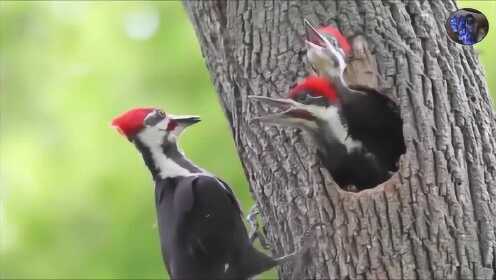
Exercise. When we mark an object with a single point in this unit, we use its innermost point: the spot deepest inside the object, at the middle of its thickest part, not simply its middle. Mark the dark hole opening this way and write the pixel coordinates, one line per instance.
(375, 122)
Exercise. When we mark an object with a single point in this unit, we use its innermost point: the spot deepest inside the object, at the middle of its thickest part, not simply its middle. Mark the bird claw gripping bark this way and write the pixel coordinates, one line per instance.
(254, 231)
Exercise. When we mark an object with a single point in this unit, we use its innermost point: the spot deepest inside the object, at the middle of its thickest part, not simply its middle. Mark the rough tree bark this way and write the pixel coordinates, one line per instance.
(435, 219)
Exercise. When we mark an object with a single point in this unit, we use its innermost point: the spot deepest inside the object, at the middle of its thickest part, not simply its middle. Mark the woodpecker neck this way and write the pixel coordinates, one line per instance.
(341, 85)
(165, 160)
(336, 76)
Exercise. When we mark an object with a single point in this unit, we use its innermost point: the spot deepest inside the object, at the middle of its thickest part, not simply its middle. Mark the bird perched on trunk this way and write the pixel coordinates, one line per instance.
(202, 234)
(358, 131)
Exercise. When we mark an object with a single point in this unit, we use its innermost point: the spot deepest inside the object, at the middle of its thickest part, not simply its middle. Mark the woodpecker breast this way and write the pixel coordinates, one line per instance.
(338, 129)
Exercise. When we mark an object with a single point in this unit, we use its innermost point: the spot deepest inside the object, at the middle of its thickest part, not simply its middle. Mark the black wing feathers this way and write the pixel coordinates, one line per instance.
(202, 233)
(183, 196)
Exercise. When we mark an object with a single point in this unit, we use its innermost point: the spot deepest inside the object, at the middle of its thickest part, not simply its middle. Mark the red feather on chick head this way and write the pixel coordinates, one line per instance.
(342, 40)
(317, 86)
(330, 31)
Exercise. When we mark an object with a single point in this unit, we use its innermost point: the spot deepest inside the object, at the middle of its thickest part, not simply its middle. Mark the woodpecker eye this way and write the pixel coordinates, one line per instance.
(154, 118)
(317, 100)
(301, 97)
(333, 41)
(308, 98)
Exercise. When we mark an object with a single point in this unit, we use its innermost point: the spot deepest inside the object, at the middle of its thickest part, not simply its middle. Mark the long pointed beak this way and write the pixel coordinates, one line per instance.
(283, 103)
(322, 40)
(313, 35)
(289, 109)
(186, 121)
(325, 57)
(316, 44)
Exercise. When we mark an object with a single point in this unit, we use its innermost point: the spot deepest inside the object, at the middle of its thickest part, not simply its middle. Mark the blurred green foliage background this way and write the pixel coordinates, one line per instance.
(76, 200)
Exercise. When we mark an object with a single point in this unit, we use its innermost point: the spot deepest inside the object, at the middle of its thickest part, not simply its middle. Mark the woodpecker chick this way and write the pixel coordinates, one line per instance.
(331, 34)
(326, 56)
(315, 106)
(360, 68)
(202, 234)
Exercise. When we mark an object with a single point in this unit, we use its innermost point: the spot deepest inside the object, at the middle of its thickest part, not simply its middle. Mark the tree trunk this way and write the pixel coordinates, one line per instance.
(435, 218)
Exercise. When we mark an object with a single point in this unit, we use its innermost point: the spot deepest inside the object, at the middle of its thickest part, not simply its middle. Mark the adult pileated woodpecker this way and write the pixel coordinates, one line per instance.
(202, 234)
(358, 131)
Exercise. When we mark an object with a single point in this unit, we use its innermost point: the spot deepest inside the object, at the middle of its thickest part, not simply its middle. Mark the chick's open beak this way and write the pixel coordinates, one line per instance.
(316, 44)
(289, 109)
(313, 36)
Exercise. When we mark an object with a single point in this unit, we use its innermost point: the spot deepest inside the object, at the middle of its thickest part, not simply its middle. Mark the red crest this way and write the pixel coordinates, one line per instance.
(318, 86)
(131, 122)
